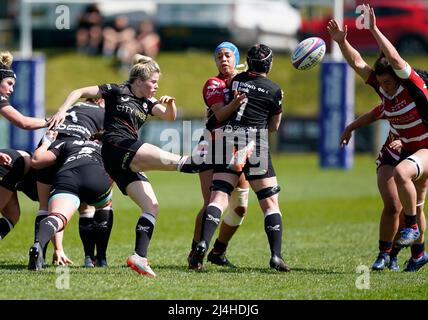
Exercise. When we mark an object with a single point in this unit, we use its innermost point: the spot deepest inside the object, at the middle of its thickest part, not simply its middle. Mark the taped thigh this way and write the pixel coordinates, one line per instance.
(418, 164)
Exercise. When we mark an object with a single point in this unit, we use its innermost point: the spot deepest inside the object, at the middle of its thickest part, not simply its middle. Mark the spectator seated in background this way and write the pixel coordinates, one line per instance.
(89, 34)
(117, 35)
(147, 42)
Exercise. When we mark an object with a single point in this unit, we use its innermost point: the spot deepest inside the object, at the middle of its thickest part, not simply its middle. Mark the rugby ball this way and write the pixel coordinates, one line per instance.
(308, 53)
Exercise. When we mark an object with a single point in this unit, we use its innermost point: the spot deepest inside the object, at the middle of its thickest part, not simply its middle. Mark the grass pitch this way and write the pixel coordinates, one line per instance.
(330, 229)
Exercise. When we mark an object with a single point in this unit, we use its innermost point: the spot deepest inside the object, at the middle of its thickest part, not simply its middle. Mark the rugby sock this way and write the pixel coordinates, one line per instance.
(417, 250)
(5, 226)
(219, 247)
(144, 231)
(385, 246)
(210, 221)
(41, 214)
(194, 244)
(410, 221)
(47, 229)
(273, 229)
(86, 233)
(187, 165)
(394, 251)
(103, 223)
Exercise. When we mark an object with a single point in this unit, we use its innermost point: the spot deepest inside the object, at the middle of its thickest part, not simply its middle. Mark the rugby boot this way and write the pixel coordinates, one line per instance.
(408, 237)
(393, 264)
(88, 262)
(141, 265)
(277, 263)
(197, 259)
(381, 261)
(35, 257)
(414, 265)
(219, 259)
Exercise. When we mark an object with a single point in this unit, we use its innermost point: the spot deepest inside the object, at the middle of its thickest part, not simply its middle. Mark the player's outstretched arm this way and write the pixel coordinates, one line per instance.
(361, 121)
(86, 92)
(352, 56)
(42, 157)
(391, 54)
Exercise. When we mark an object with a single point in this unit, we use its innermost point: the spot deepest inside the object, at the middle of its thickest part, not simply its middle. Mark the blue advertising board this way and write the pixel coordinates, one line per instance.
(337, 110)
(29, 99)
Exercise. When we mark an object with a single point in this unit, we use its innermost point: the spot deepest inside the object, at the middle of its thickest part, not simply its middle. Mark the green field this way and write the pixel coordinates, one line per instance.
(330, 228)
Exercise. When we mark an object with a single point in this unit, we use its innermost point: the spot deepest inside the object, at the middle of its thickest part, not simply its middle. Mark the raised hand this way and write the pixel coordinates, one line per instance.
(56, 120)
(336, 33)
(372, 16)
(167, 100)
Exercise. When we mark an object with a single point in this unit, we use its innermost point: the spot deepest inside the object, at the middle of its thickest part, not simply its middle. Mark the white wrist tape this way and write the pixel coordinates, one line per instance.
(47, 140)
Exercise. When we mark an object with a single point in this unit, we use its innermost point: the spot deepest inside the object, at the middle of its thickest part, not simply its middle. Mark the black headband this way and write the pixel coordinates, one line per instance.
(7, 73)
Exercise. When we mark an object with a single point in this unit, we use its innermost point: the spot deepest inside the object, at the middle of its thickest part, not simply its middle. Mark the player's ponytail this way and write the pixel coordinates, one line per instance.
(6, 60)
(143, 68)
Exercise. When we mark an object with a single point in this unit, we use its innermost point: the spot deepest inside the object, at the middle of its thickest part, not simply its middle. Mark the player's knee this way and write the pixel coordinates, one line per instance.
(400, 175)
(233, 219)
(411, 169)
(153, 208)
(240, 211)
(392, 208)
(14, 216)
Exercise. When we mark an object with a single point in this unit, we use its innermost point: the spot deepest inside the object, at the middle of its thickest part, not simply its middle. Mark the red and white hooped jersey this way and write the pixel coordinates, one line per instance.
(215, 91)
(401, 110)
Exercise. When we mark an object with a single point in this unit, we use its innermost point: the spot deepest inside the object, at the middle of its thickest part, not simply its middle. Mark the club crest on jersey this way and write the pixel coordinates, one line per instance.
(213, 85)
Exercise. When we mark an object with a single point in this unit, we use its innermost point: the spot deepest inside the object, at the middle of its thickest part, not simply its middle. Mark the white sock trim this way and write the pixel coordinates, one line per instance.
(42, 212)
(217, 205)
(268, 213)
(149, 217)
(87, 214)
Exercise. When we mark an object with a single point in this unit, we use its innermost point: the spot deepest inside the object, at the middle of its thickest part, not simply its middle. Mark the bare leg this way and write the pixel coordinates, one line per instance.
(389, 220)
(10, 211)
